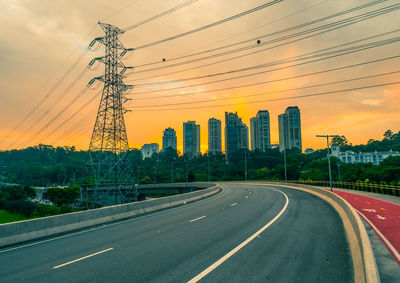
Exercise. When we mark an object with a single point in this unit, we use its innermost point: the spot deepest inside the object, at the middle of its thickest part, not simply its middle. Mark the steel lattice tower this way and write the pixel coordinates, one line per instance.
(109, 143)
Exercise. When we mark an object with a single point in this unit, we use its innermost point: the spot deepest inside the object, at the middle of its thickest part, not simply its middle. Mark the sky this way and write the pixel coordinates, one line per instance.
(42, 52)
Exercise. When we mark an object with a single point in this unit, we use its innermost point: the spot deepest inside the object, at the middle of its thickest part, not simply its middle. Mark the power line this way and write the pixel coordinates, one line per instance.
(258, 83)
(70, 117)
(50, 92)
(271, 92)
(278, 99)
(332, 26)
(270, 34)
(239, 34)
(209, 25)
(159, 15)
(45, 113)
(329, 55)
(120, 10)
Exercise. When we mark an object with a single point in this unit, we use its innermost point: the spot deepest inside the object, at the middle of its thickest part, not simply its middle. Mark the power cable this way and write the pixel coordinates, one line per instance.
(331, 54)
(241, 33)
(335, 26)
(277, 99)
(264, 82)
(45, 113)
(209, 25)
(270, 34)
(159, 15)
(272, 92)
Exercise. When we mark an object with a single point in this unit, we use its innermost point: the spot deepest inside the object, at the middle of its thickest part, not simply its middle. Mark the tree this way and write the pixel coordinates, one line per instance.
(63, 196)
(388, 135)
(340, 141)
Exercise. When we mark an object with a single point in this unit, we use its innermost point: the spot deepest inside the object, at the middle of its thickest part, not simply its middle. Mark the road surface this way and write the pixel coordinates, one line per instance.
(247, 233)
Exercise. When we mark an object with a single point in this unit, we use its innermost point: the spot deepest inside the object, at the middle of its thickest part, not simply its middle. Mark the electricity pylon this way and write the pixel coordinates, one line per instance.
(109, 143)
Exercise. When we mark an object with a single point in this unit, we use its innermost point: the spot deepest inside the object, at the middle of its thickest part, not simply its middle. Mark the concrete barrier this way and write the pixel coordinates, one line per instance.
(29, 230)
(365, 269)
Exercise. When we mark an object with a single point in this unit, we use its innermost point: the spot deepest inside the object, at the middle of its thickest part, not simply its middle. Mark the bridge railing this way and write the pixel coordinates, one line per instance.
(359, 186)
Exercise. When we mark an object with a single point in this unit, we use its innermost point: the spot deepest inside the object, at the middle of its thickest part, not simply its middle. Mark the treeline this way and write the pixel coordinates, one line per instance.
(49, 166)
(18, 199)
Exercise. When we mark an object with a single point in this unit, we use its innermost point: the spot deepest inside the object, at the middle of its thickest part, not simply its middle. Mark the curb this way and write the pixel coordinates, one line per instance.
(35, 229)
(365, 269)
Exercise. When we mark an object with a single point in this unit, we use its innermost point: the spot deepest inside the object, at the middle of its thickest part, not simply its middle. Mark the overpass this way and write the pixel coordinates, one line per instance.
(246, 233)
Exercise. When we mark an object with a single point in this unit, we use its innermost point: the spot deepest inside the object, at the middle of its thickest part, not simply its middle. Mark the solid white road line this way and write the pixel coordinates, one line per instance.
(79, 259)
(107, 225)
(395, 252)
(233, 204)
(198, 218)
(240, 246)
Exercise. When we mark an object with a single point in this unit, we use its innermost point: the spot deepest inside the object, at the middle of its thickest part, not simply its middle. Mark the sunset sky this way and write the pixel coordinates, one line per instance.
(42, 39)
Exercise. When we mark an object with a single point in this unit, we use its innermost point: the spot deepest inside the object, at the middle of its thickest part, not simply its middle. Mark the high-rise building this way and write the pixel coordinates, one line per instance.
(290, 129)
(236, 134)
(214, 136)
(191, 139)
(254, 133)
(148, 149)
(260, 131)
(169, 139)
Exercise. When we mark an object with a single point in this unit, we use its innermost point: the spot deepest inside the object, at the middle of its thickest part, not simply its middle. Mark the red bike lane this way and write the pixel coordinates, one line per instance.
(382, 216)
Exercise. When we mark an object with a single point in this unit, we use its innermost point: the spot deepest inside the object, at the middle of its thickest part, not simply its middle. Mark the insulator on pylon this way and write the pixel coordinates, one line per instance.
(93, 84)
(94, 65)
(94, 46)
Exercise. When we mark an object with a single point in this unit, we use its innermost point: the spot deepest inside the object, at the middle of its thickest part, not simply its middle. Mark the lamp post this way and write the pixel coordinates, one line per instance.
(186, 166)
(328, 155)
(209, 168)
(172, 171)
(245, 164)
(340, 178)
(284, 163)
(138, 175)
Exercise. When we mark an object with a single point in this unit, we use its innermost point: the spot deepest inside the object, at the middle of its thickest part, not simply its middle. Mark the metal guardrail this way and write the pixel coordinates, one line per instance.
(359, 186)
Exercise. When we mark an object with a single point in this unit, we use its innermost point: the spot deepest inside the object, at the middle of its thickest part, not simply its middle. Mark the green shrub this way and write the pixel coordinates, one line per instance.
(23, 207)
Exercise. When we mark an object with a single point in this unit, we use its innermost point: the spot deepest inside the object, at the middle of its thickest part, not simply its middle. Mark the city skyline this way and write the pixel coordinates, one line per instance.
(359, 114)
(215, 125)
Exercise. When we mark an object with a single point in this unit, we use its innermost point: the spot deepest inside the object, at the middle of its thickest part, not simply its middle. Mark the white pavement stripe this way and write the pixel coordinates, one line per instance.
(240, 246)
(79, 259)
(108, 225)
(233, 204)
(198, 218)
(395, 252)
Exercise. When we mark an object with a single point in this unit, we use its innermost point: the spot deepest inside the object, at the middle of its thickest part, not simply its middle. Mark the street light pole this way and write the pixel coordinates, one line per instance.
(245, 165)
(186, 172)
(284, 162)
(340, 178)
(209, 169)
(138, 175)
(172, 172)
(328, 155)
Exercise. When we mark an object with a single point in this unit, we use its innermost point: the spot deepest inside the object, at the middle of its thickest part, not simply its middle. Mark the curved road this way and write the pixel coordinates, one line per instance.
(247, 233)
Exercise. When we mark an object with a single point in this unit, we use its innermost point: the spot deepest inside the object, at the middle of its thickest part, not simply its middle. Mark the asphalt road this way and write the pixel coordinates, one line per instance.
(244, 234)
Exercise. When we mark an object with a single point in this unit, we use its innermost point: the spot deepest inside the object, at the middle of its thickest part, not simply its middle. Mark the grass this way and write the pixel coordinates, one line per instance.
(6, 217)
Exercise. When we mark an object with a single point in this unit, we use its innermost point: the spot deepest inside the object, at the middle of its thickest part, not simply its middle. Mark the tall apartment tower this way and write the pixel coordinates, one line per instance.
(260, 131)
(236, 134)
(191, 139)
(290, 129)
(214, 136)
(169, 138)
